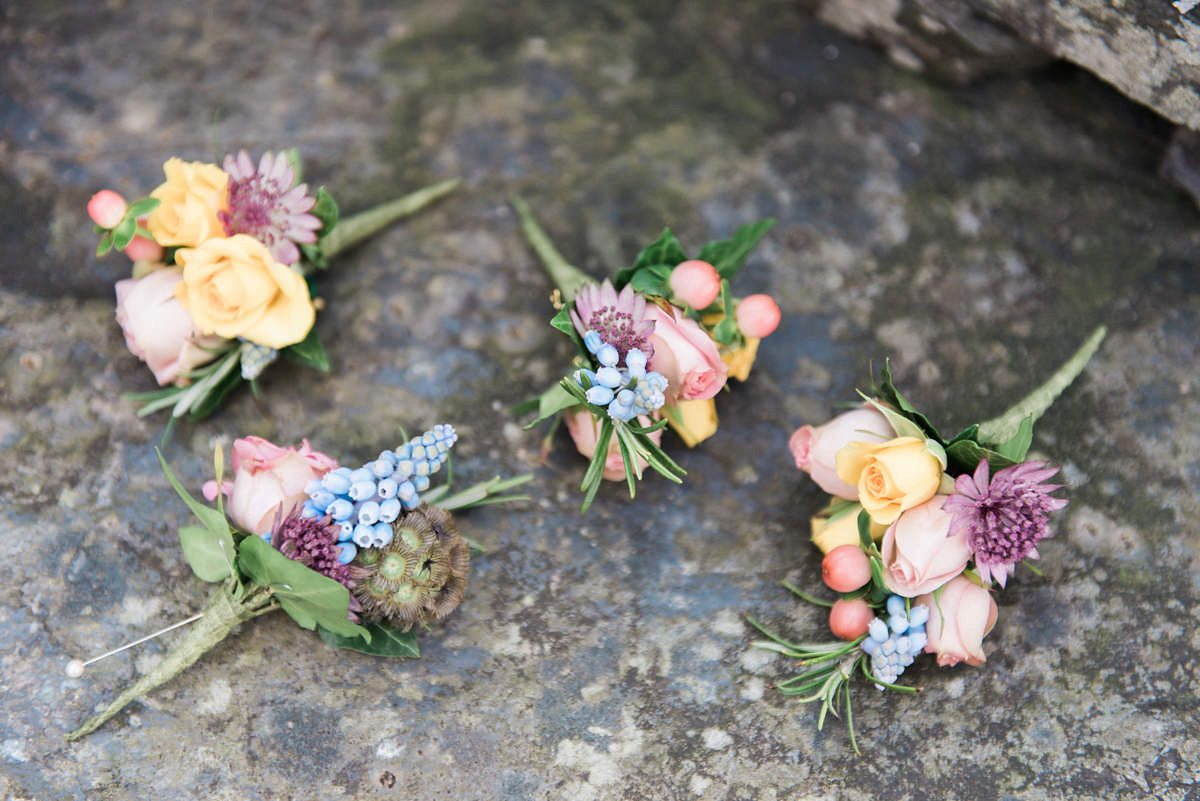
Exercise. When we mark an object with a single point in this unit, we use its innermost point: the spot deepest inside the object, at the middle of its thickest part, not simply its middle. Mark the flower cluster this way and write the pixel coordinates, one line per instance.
(920, 530)
(221, 256)
(655, 345)
(272, 542)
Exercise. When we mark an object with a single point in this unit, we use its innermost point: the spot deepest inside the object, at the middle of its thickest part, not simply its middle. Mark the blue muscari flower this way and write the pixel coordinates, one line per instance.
(592, 341)
(365, 502)
(627, 391)
(894, 644)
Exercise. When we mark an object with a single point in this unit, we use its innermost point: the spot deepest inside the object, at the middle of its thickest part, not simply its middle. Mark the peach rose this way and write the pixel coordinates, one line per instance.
(740, 361)
(961, 614)
(815, 449)
(585, 430)
(158, 329)
(234, 287)
(919, 554)
(191, 197)
(891, 476)
(686, 356)
(268, 482)
(693, 420)
(840, 529)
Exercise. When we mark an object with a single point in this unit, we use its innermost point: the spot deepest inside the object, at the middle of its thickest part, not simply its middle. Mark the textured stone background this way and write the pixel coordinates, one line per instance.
(972, 234)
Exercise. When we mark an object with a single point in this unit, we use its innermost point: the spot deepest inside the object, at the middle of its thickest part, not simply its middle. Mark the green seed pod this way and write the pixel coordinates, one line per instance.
(420, 577)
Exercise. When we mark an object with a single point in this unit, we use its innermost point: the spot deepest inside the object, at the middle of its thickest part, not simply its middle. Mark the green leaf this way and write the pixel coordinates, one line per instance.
(1016, 447)
(314, 255)
(384, 641)
(140, 208)
(105, 245)
(308, 597)
(203, 549)
(964, 456)
(310, 351)
(562, 321)
(728, 255)
(212, 519)
(293, 159)
(551, 402)
(666, 250)
(864, 530)
(646, 282)
(122, 235)
(888, 392)
(325, 210)
(215, 395)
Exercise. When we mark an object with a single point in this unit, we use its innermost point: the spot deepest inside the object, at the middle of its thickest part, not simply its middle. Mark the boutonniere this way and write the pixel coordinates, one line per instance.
(655, 344)
(921, 531)
(361, 556)
(224, 259)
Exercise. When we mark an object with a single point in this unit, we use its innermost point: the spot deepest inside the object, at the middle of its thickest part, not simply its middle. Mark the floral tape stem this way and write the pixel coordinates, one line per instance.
(1004, 427)
(566, 277)
(354, 229)
(221, 616)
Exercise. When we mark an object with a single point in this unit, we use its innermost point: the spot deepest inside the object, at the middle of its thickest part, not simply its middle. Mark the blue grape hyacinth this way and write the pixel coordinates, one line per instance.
(625, 390)
(365, 502)
(894, 643)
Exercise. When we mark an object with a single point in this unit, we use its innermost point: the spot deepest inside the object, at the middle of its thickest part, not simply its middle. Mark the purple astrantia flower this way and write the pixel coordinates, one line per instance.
(264, 204)
(619, 319)
(1004, 519)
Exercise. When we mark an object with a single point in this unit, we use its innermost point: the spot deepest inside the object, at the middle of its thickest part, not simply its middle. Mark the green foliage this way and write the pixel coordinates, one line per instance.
(309, 351)
(729, 255)
(663, 252)
(380, 640)
(208, 549)
(308, 597)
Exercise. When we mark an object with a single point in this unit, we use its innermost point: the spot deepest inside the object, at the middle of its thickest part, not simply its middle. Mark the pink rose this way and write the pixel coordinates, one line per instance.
(686, 356)
(158, 330)
(815, 449)
(918, 554)
(268, 482)
(585, 430)
(960, 616)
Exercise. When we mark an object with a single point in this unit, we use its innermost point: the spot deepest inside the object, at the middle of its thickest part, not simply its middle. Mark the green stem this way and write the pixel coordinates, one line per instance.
(480, 494)
(220, 617)
(1003, 428)
(355, 229)
(566, 277)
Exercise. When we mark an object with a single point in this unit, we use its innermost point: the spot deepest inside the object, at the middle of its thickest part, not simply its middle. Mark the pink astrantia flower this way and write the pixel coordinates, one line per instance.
(619, 318)
(1004, 519)
(265, 204)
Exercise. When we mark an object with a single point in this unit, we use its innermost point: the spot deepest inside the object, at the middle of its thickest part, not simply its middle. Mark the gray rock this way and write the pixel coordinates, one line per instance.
(971, 234)
(1145, 48)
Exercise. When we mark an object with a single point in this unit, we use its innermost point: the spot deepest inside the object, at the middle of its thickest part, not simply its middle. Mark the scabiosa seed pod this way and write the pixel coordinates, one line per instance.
(420, 576)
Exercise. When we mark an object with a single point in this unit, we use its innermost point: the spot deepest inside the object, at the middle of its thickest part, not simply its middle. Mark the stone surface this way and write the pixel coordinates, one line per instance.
(973, 235)
(1148, 49)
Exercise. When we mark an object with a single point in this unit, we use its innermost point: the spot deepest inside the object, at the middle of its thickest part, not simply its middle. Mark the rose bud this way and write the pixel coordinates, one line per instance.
(696, 283)
(106, 208)
(815, 448)
(848, 620)
(757, 315)
(845, 568)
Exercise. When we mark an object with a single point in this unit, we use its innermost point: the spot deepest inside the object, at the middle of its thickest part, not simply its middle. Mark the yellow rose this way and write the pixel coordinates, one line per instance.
(234, 288)
(891, 476)
(841, 529)
(741, 360)
(189, 201)
(693, 420)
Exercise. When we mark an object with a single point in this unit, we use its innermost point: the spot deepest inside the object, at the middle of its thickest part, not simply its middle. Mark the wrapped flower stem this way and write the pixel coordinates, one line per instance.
(920, 532)
(369, 553)
(655, 345)
(223, 263)
(220, 617)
